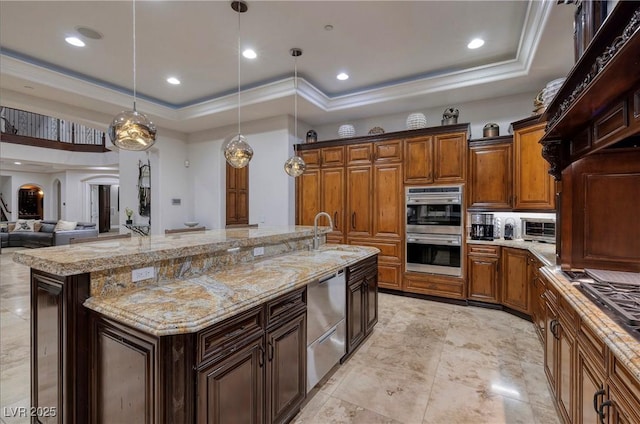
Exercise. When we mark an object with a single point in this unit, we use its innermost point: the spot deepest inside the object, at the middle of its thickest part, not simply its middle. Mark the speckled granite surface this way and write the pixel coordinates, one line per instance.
(190, 305)
(618, 340)
(139, 251)
(546, 252)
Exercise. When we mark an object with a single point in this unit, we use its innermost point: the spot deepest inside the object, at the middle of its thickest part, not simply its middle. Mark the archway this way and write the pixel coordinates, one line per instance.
(30, 202)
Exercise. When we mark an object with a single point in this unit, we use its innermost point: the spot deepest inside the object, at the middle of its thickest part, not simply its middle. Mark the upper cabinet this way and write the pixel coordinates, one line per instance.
(438, 158)
(491, 174)
(533, 188)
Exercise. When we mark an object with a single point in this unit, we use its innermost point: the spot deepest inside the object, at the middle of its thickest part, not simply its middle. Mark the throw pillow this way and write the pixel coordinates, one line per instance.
(24, 225)
(4, 228)
(65, 225)
(47, 228)
(37, 225)
(11, 226)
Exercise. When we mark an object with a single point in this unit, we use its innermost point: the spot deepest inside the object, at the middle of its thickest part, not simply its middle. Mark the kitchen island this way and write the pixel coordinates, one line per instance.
(178, 328)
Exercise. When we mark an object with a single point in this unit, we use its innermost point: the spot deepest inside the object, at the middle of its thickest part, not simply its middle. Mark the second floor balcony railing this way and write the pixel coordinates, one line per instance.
(22, 127)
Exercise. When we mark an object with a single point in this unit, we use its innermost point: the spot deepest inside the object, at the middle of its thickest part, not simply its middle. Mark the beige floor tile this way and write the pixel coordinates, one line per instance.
(311, 407)
(454, 403)
(545, 414)
(339, 411)
(537, 384)
(399, 395)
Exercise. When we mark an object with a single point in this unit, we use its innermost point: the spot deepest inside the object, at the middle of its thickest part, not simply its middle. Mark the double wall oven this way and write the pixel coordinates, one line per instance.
(434, 230)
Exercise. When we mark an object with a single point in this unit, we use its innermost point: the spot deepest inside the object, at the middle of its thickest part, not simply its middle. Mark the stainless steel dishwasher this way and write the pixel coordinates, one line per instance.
(326, 325)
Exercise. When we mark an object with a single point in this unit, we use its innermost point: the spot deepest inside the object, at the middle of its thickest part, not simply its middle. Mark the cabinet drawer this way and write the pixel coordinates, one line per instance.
(364, 267)
(359, 154)
(389, 276)
(388, 151)
(390, 250)
(332, 156)
(568, 314)
(483, 249)
(625, 380)
(286, 305)
(593, 346)
(230, 335)
(435, 286)
(311, 157)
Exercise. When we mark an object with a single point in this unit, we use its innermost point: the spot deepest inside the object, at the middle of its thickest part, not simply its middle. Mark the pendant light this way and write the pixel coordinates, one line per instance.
(130, 129)
(295, 166)
(237, 151)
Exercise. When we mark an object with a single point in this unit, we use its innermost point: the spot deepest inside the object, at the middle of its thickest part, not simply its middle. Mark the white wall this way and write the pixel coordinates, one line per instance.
(17, 180)
(501, 110)
(5, 190)
(271, 190)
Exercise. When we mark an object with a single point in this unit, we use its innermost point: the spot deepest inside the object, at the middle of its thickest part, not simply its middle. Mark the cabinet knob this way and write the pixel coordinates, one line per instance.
(601, 414)
(596, 395)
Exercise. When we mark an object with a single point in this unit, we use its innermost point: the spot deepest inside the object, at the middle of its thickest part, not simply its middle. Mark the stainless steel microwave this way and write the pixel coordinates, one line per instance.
(539, 229)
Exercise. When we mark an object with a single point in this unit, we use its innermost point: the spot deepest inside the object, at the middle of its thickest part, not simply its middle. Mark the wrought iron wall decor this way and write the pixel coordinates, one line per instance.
(144, 189)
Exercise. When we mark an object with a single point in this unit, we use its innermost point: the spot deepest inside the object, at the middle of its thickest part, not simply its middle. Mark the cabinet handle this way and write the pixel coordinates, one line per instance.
(353, 221)
(596, 395)
(261, 357)
(270, 351)
(335, 220)
(601, 414)
(552, 326)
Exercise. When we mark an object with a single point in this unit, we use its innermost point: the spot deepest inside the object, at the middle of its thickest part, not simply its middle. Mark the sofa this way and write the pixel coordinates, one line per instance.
(44, 233)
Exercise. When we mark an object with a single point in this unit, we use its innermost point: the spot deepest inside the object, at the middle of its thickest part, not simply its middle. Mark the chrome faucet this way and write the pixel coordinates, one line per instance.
(316, 239)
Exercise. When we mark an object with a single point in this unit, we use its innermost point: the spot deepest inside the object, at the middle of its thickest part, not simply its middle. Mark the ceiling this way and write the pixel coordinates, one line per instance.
(401, 56)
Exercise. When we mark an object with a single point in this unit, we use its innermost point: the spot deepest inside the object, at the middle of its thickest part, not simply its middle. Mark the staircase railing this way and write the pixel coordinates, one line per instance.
(15, 122)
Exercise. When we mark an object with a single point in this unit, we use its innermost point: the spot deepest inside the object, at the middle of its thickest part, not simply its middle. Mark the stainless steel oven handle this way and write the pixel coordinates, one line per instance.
(432, 241)
(433, 200)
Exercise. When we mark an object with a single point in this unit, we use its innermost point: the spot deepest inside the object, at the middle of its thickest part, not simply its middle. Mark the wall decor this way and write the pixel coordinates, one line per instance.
(416, 121)
(144, 189)
(346, 131)
(376, 130)
(312, 136)
(450, 116)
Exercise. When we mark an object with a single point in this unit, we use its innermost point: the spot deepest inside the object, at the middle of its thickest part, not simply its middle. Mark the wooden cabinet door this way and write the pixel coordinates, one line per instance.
(537, 304)
(387, 151)
(515, 279)
(359, 154)
(534, 188)
(551, 347)
(309, 196)
(359, 204)
(490, 176)
(332, 199)
(589, 390)
(371, 301)
(332, 156)
(450, 152)
(286, 369)
(565, 361)
(388, 205)
(483, 278)
(418, 160)
(237, 201)
(311, 158)
(356, 310)
(232, 390)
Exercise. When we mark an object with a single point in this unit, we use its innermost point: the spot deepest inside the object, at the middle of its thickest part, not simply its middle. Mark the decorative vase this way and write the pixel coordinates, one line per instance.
(450, 116)
(416, 121)
(346, 131)
(312, 136)
(491, 130)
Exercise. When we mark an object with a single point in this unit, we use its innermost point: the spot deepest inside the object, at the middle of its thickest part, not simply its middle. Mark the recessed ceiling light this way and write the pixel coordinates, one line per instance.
(173, 80)
(28, 87)
(328, 27)
(89, 33)
(342, 76)
(75, 41)
(17, 163)
(249, 54)
(475, 43)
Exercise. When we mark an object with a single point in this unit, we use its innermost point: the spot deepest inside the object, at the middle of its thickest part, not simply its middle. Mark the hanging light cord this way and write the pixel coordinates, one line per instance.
(295, 97)
(239, 47)
(134, 55)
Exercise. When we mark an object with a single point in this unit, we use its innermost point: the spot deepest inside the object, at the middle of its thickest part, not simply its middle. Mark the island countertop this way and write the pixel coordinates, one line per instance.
(103, 255)
(189, 305)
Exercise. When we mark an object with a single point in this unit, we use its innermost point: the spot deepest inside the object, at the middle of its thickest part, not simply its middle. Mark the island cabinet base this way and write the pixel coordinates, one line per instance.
(250, 368)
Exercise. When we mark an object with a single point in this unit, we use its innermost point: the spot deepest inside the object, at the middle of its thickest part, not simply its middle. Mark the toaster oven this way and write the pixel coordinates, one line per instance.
(539, 229)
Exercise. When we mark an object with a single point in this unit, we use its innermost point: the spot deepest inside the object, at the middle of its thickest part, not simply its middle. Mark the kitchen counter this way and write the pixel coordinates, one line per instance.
(189, 305)
(622, 344)
(545, 252)
(140, 251)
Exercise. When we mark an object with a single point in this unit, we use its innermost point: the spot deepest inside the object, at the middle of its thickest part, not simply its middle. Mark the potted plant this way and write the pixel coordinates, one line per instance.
(129, 213)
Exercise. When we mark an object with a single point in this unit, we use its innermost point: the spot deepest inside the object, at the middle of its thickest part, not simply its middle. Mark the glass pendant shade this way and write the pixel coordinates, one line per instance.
(295, 166)
(132, 130)
(237, 151)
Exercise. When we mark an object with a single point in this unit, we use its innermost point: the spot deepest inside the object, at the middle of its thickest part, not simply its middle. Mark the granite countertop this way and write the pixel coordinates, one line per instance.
(102, 255)
(190, 305)
(622, 344)
(545, 252)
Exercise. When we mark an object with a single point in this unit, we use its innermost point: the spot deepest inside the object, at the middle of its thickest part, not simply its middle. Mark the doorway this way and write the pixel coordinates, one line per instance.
(30, 202)
(237, 195)
(101, 207)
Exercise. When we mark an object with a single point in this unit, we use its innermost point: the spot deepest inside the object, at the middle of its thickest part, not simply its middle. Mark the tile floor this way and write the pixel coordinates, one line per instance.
(426, 362)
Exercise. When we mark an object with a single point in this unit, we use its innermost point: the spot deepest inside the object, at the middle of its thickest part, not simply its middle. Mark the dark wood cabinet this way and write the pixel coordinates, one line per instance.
(515, 279)
(600, 228)
(490, 185)
(450, 157)
(362, 302)
(237, 201)
(418, 160)
(60, 346)
(286, 371)
(483, 273)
